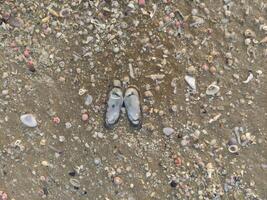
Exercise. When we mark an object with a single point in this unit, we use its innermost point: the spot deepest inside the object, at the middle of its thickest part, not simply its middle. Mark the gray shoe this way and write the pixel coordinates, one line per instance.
(133, 106)
(114, 104)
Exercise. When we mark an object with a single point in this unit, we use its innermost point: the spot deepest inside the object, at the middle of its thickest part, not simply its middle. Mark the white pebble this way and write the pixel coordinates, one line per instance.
(168, 131)
(68, 125)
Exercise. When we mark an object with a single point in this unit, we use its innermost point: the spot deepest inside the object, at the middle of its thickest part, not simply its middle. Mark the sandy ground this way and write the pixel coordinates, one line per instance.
(52, 59)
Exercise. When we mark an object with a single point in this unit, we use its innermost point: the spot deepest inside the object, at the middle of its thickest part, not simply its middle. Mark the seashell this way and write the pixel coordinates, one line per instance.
(117, 180)
(82, 91)
(75, 183)
(249, 137)
(148, 94)
(168, 131)
(88, 100)
(250, 33)
(28, 120)
(255, 41)
(212, 89)
(132, 75)
(117, 83)
(53, 12)
(191, 81)
(232, 141)
(156, 76)
(46, 20)
(65, 12)
(233, 148)
(184, 142)
(264, 40)
(263, 27)
(210, 169)
(237, 134)
(249, 78)
(247, 41)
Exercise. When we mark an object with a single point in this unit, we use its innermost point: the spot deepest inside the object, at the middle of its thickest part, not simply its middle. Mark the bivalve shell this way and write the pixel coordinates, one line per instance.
(212, 89)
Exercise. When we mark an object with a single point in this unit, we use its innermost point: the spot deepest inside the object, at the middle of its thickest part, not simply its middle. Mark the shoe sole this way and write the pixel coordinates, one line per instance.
(139, 125)
(106, 125)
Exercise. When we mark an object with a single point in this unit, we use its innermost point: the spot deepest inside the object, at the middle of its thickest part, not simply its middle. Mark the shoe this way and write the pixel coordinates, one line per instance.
(133, 106)
(114, 104)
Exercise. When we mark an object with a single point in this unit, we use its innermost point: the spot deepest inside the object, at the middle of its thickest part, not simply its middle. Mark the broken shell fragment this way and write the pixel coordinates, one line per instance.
(250, 33)
(116, 83)
(210, 169)
(212, 89)
(46, 19)
(191, 81)
(233, 148)
(156, 76)
(249, 78)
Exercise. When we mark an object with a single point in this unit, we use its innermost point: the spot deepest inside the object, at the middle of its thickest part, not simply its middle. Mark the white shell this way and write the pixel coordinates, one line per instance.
(88, 100)
(28, 120)
(249, 78)
(233, 148)
(212, 89)
(156, 76)
(191, 81)
(82, 91)
(116, 83)
(210, 169)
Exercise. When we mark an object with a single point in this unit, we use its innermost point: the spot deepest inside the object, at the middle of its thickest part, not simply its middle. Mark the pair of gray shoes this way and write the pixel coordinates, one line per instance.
(131, 102)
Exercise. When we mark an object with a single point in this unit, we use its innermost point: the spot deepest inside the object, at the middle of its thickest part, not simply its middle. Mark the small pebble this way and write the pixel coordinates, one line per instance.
(88, 100)
(191, 70)
(213, 70)
(26, 53)
(174, 108)
(148, 94)
(61, 138)
(141, 2)
(85, 117)
(43, 142)
(178, 161)
(5, 92)
(45, 163)
(3, 195)
(117, 180)
(116, 49)
(173, 184)
(97, 161)
(31, 66)
(56, 120)
(184, 142)
(68, 125)
(168, 131)
(194, 12)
